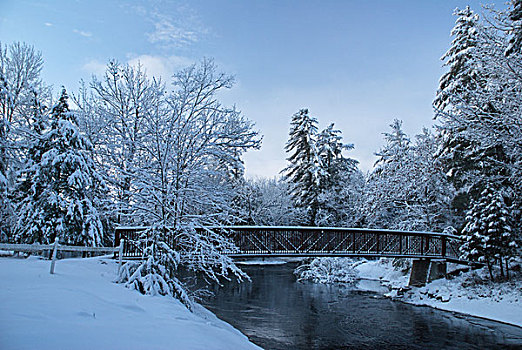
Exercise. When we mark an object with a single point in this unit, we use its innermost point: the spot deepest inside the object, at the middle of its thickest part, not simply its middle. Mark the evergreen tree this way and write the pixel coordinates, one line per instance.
(462, 75)
(62, 199)
(470, 160)
(340, 180)
(304, 171)
(488, 233)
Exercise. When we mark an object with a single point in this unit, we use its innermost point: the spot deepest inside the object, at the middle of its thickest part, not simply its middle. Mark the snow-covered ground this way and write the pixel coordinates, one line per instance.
(79, 307)
(469, 293)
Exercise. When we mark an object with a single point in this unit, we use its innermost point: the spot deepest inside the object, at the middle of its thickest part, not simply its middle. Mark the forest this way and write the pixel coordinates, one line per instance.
(132, 150)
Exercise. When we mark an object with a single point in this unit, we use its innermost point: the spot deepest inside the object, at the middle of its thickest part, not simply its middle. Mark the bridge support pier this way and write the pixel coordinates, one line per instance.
(426, 270)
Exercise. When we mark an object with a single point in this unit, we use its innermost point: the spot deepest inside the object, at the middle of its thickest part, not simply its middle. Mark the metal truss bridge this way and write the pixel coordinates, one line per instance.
(267, 241)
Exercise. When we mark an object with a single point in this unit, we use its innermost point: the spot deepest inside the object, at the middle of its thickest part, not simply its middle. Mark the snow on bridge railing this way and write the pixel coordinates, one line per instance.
(39, 248)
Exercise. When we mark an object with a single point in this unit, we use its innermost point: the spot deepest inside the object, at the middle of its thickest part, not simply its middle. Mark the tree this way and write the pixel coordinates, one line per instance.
(387, 188)
(408, 189)
(488, 233)
(61, 200)
(304, 170)
(20, 86)
(340, 180)
(463, 75)
(515, 27)
(113, 113)
(266, 202)
(190, 151)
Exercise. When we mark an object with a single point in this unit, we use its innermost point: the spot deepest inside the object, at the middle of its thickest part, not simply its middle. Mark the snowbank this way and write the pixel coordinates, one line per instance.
(80, 308)
(469, 293)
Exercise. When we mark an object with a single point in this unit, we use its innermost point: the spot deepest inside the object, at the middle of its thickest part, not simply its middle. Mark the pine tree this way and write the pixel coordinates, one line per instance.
(62, 200)
(304, 171)
(462, 75)
(488, 233)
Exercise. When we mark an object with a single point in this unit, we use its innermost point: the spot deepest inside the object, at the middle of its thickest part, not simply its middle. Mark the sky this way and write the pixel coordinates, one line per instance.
(358, 64)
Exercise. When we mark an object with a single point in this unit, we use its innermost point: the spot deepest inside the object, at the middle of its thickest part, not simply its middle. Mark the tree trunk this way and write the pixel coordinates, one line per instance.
(501, 269)
(489, 269)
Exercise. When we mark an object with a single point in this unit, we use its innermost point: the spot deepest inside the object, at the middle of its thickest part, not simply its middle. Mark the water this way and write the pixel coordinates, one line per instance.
(276, 312)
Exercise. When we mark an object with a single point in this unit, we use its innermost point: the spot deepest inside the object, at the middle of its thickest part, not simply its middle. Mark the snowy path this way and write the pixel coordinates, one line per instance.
(80, 308)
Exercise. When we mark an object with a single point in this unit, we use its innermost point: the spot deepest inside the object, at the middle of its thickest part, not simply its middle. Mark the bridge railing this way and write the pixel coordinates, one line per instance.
(320, 241)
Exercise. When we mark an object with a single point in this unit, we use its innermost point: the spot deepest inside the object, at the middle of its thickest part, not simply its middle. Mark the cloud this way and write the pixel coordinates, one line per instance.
(168, 32)
(160, 66)
(48, 24)
(173, 25)
(83, 33)
(94, 67)
(156, 66)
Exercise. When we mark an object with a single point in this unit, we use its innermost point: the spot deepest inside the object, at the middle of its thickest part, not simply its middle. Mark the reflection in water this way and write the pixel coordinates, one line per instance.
(276, 312)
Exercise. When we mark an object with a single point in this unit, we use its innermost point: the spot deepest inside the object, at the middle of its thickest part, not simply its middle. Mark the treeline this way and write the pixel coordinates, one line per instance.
(463, 177)
(124, 150)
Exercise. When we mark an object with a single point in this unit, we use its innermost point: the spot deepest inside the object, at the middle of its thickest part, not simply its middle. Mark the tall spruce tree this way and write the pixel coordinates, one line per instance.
(61, 186)
(488, 233)
(462, 75)
(304, 171)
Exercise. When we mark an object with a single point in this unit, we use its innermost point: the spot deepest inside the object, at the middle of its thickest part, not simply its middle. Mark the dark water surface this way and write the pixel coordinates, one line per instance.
(276, 312)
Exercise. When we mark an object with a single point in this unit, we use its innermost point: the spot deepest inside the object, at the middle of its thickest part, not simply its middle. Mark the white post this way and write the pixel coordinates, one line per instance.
(120, 255)
(55, 253)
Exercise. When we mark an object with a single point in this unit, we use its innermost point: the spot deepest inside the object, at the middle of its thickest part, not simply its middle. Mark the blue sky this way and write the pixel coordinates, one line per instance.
(359, 64)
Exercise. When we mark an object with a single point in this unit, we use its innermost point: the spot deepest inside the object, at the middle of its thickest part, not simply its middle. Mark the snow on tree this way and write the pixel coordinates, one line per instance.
(340, 183)
(515, 27)
(386, 189)
(462, 75)
(488, 233)
(266, 202)
(408, 188)
(481, 133)
(190, 151)
(112, 113)
(61, 200)
(20, 67)
(304, 170)
(430, 208)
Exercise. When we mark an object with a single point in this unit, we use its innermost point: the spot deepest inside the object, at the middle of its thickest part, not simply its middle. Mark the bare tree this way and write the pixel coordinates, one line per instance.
(190, 151)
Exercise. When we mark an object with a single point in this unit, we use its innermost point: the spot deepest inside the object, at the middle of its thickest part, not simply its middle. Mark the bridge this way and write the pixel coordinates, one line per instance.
(269, 241)
(429, 250)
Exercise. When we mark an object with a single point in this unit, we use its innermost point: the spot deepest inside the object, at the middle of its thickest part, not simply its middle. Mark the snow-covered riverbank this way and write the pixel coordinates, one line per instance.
(468, 293)
(80, 308)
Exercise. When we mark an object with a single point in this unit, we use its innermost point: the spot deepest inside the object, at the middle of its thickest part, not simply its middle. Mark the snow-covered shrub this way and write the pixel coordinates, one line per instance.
(403, 265)
(201, 251)
(327, 270)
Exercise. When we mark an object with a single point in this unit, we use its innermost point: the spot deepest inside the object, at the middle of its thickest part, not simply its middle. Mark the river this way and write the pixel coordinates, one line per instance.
(276, 312)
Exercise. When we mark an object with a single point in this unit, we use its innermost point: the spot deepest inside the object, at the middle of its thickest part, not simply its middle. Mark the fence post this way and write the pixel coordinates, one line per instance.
(120, 255)
(55, 253)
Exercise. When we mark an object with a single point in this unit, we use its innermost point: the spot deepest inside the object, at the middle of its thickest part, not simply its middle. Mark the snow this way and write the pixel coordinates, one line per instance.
(79, 307)
(495, 301)
(468, 293)
(267, 261)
